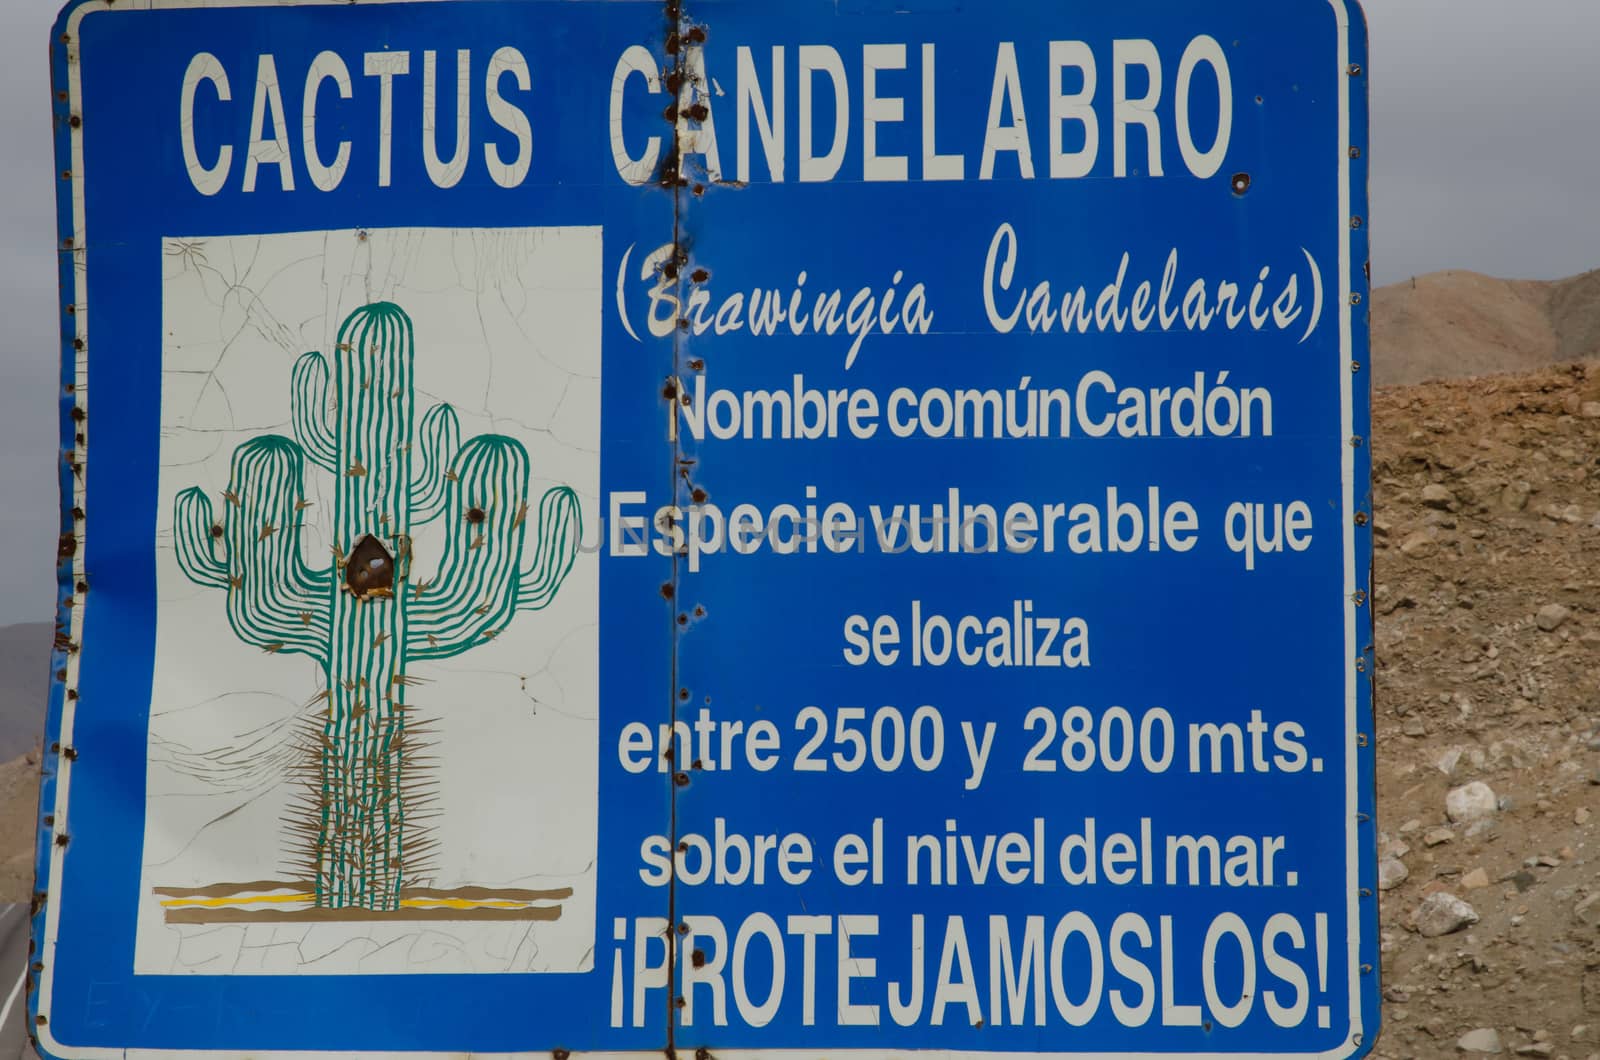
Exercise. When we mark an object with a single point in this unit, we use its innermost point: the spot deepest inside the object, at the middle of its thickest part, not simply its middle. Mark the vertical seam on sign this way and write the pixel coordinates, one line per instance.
(670, 171)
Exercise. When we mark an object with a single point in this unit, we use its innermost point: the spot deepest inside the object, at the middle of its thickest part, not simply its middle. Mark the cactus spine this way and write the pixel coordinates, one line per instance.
(365, 618)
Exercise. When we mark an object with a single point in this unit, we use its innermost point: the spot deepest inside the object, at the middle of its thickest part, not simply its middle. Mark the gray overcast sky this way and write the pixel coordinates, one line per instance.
(1485, 153)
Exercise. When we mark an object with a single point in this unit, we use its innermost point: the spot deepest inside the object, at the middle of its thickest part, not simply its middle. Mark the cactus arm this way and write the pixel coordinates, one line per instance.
(474, 595)
(309, 399)
(556, 549)
(275, 602)
(438, 440)
(192, 524)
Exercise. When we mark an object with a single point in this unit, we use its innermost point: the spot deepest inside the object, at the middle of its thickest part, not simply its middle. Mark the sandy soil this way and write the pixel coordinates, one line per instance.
(1488, 634)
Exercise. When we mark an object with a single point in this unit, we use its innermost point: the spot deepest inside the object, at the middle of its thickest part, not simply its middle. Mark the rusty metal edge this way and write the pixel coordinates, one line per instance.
(72, 402)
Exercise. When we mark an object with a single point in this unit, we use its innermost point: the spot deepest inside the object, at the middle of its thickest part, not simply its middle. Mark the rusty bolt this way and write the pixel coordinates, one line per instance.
(697, 34)
(681, 779)
(700, 276)
(1355, 69)
(559, 1054)
(1355, 152)
(1241, 183)
(1355, 222)
(1361, 518)
(75, 121)
(1355, 366)
(667, 591)
(698, 495)
(683, 928)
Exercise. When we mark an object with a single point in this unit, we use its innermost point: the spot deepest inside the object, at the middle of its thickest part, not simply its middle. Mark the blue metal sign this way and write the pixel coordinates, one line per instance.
(712, 527)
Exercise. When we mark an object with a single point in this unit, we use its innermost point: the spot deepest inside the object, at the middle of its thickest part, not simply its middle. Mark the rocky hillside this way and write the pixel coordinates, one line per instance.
(1488, 612)
(1450, 325)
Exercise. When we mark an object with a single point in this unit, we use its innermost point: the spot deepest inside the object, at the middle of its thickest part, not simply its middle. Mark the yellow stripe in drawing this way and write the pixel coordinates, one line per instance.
(282, 899)
(223, 903)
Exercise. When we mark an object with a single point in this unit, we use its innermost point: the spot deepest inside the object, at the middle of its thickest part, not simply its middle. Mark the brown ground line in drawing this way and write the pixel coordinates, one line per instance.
(242, 903)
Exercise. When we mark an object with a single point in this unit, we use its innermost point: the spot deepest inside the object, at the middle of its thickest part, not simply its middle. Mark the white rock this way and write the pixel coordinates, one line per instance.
(1447, 762)
(1482, 1040)
(1420, 545)
(1392, 872)
(1588, 910)
(1443, 914)
(1471, 802)
(1437, 497)
(1438, 837)
(1552, 617)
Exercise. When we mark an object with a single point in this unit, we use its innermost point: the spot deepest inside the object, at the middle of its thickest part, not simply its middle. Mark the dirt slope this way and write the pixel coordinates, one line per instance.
(1488, 610)
(1450, 325)
(19, 798)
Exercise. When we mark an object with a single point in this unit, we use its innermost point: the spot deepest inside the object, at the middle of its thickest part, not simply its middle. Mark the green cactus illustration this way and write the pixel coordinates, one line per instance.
(365, 618)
